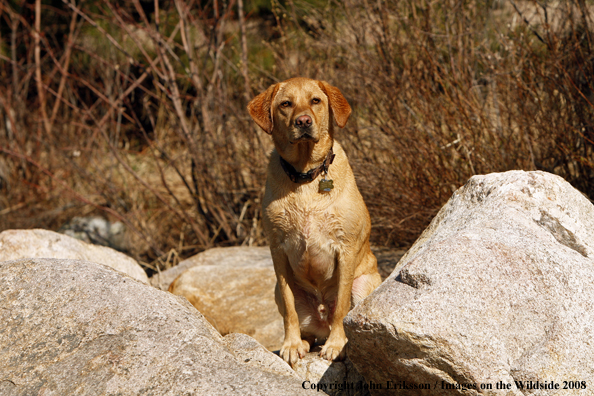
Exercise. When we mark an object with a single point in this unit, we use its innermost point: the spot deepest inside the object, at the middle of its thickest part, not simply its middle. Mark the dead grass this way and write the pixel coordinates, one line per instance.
(137, 113)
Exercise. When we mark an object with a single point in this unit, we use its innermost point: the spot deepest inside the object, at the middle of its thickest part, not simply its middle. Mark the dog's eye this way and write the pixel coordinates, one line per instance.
(315, 101)
(286, 103)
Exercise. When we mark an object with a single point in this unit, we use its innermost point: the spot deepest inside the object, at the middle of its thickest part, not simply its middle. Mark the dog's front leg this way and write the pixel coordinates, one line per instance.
(334, 346)
(293, 347)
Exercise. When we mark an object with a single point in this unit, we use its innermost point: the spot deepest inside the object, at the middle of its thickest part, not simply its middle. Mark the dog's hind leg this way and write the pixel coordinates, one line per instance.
(363, 286)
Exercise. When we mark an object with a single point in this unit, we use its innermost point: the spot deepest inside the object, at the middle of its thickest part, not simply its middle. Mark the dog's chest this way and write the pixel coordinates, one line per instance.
(311, 237)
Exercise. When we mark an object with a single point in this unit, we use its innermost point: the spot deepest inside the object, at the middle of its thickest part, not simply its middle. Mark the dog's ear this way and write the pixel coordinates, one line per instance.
(339, 105)
(260, 108)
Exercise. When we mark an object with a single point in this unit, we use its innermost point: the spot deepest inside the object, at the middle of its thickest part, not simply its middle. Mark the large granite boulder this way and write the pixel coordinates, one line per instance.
(18, 244)
(494, 296)
(234, 256)
(72, 327)
(234, 289)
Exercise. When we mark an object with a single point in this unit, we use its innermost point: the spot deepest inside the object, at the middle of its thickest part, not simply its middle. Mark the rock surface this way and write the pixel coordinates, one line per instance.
(96, 230)
(231, 256)
(18, 244)
(234, 289)
(497, 288)
(334, 378)
(252, 353)
(72, 327)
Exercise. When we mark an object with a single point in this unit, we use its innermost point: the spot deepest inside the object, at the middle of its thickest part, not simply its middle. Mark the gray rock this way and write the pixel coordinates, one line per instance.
(96, 230)
(72, 327)
(334, 378)
(234, 289)
(17, 244)
(497, 288)
(252, 353)
(232, 256)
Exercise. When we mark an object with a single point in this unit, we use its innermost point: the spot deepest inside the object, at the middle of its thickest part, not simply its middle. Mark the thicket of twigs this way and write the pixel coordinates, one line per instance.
(136, 110)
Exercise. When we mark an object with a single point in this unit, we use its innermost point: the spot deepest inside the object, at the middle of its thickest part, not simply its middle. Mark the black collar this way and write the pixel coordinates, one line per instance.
(311, 174)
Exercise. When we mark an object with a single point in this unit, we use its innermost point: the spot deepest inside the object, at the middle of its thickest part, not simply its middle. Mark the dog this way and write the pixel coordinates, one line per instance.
(314, 217)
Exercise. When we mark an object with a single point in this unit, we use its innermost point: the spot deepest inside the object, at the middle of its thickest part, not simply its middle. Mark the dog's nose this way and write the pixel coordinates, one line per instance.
(303, 121)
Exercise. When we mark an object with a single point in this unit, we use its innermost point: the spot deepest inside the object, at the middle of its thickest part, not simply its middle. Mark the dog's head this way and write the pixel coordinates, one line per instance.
(299, 110)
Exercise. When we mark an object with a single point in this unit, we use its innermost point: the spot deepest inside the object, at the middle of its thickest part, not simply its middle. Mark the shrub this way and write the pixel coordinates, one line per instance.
(136, 110)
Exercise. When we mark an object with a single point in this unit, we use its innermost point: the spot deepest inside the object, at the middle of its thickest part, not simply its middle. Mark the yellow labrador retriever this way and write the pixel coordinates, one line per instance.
(314, 216)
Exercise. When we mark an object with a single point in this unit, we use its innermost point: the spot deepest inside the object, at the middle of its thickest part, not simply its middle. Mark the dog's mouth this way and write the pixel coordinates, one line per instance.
(306, 137)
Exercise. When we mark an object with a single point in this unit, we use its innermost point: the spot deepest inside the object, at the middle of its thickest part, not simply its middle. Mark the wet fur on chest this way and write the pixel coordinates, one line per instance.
(311, 237)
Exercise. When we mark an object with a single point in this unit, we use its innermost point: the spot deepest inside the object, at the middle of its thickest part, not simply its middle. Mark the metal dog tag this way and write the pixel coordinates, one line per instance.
(326, 185)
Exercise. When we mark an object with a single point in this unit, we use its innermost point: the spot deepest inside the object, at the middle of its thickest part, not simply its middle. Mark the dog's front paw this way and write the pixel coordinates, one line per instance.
(334, 349)
(293, 350)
